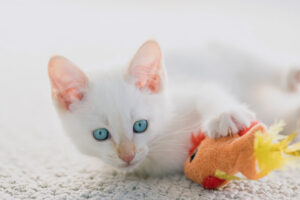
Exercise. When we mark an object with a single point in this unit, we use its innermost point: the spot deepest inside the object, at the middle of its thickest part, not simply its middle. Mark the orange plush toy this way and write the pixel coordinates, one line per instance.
(253, 152)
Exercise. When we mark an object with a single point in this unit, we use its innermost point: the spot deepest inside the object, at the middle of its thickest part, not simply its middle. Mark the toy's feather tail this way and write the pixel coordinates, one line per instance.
(271, 155)
(271, 150)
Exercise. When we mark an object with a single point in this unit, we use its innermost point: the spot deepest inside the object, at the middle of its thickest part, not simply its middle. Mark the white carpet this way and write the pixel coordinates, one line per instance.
(35, 166)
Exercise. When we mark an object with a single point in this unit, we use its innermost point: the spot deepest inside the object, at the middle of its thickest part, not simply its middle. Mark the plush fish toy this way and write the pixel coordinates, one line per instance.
(253, 152)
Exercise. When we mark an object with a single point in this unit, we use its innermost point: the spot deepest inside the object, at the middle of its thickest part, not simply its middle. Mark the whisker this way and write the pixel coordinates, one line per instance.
(165, 146)
(166, 136)
(167, 151)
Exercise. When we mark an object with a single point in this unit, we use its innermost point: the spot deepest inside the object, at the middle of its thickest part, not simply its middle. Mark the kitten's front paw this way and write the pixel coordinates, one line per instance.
(229, 122)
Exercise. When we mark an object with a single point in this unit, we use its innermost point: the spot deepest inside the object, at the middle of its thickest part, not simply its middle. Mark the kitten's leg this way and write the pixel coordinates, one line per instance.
(291, 80)
(273, 103)
(221, 114)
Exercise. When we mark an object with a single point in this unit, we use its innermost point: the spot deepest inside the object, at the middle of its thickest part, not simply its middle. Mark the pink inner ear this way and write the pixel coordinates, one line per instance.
(68, 81)
(146, 67)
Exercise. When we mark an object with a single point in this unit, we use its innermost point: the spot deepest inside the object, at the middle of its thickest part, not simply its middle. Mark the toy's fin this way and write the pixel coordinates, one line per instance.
(246, 161)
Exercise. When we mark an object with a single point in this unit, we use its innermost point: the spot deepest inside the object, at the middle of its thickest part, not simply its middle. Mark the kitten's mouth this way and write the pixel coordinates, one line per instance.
(132, 165)
(129, 166)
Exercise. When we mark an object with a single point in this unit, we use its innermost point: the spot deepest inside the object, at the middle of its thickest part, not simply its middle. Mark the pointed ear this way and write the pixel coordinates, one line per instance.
(146, 68)
(68, 82)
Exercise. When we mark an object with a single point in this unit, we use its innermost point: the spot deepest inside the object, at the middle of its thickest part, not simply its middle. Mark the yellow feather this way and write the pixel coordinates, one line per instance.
(269, 154)
(293, 150)
(271, 151)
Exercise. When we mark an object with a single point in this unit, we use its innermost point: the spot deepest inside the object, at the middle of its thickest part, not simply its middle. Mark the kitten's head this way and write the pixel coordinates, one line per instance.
(113, 115)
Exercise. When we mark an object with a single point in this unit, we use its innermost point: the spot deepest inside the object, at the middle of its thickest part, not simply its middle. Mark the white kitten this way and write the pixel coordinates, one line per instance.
(132, 121)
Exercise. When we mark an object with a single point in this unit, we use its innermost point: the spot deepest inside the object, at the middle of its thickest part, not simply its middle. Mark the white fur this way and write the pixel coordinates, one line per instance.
(270, 90)
(112, 102)
(184, 106)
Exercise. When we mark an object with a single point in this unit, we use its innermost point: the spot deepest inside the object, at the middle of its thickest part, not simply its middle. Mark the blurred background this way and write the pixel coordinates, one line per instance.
(98, 32)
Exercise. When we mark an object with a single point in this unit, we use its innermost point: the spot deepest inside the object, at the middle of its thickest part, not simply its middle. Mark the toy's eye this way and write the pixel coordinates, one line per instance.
(101, 134)
(193, 156)
(140, 126)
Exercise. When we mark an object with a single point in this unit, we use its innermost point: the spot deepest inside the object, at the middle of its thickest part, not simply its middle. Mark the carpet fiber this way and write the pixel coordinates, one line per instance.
(44, 167)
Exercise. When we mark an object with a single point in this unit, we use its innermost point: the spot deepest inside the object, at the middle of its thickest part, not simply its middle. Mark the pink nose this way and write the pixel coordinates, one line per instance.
(127, 157)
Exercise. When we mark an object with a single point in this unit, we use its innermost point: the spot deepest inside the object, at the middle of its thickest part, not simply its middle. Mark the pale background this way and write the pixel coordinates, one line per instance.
(95, 32)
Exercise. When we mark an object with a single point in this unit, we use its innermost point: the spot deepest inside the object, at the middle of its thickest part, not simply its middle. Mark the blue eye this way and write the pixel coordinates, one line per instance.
(140, 126)
(101, 134)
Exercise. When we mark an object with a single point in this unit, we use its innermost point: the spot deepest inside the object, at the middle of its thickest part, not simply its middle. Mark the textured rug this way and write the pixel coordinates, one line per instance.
(37, 166)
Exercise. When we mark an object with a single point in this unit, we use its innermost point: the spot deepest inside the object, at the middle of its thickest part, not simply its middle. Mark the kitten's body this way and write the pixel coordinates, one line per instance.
(115, 100)
(271, 90)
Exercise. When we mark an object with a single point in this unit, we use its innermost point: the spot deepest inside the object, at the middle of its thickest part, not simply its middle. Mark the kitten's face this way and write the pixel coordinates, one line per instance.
(114, 115)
